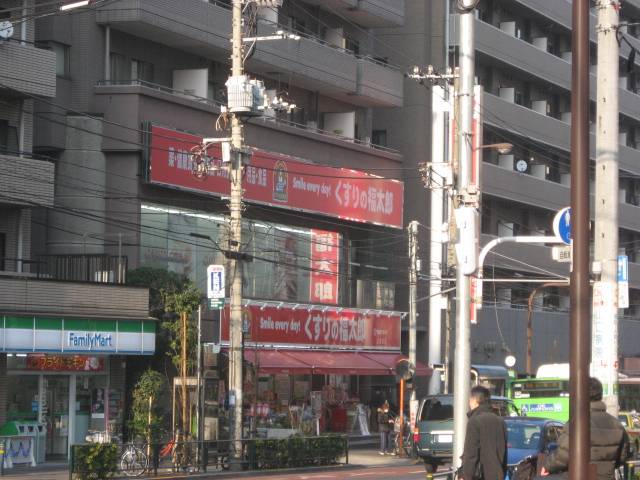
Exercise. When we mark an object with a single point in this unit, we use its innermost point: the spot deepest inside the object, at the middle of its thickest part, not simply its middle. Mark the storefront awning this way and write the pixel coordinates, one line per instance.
(317, 362)
(276, 361)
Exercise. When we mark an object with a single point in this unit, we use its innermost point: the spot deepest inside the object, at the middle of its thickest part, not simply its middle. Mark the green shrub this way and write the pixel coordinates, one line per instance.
(95, 461)
(296, 452)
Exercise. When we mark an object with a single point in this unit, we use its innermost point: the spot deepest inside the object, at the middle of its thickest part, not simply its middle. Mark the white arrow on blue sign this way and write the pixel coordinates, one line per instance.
(215, 281)
(562, 225)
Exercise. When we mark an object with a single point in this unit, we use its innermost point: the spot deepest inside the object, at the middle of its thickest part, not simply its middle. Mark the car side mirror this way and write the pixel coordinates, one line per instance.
(552, 446)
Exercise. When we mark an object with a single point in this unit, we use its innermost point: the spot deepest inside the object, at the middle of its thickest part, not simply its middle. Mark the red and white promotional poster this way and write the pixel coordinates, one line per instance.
(325, 267)
(278, 180)
(296, 326)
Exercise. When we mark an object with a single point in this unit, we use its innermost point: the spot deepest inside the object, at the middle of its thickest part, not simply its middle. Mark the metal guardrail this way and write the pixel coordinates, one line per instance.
(137, 459)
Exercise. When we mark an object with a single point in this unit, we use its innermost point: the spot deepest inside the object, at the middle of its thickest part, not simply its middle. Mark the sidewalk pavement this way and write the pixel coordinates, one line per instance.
(367, 458)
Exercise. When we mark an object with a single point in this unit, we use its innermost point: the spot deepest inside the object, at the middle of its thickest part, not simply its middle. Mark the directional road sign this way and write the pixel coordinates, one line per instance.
(562, 225)
(215, 281)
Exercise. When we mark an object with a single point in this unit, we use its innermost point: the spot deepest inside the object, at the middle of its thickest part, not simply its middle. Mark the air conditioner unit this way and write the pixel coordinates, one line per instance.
(506, 161)
(508, 94)
(623, 82)
(542, 43)
(509, 28)
(335, 37)
(622, 195)
(540, 106)
(539, 171)
(622, 138)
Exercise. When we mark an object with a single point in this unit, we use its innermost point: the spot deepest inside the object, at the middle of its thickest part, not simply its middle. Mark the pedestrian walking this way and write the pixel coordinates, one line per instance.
(384, 427)
(609, 441)
(485, 443)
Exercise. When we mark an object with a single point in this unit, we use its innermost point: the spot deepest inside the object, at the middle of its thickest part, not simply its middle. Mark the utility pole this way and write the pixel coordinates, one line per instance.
(413, 288)
(604, 348)
(438, 193)
(580, 324)
(466, 214)
(235, 242)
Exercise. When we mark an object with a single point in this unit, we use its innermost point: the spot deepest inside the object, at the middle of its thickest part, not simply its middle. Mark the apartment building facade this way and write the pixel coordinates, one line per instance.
(59, 340)
(146, 82)
(523, 62)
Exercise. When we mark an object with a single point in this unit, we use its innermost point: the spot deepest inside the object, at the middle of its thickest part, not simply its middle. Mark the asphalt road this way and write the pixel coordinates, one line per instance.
(409, 472)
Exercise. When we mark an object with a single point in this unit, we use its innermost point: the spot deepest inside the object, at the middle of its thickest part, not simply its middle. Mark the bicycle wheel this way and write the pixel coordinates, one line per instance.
(133, 462)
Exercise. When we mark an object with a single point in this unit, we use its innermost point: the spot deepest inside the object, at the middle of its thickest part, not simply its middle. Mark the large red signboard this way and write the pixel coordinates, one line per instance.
(300, 326)
(325, 266)
(277, 180)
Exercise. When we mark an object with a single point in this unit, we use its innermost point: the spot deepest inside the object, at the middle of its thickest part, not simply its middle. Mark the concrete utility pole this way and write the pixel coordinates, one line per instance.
(437, 196)
(604, 348)
(466, 214)
(235, 242)
(413, 289)
(580, 324)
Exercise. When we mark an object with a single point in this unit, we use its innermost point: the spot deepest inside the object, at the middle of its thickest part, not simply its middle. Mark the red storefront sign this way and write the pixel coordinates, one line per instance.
(325, 266)
(65, 363)
(276, 180)
(291, 326)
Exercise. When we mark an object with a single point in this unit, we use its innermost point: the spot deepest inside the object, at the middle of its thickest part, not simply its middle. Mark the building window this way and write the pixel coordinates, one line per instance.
(119, 71)
(8, 138)
(141, 71)
(3, 249)
(379, 137)
(62, 58)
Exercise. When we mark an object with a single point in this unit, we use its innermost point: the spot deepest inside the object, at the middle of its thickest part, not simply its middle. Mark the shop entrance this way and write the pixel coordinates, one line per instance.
(55, 414)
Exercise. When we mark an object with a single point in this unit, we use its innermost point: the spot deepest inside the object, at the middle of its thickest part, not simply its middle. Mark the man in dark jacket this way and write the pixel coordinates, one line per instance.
(609, 440)
(485, 444)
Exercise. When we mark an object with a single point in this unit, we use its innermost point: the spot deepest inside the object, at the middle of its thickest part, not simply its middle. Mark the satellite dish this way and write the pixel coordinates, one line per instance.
(405, 370)
(6, 29)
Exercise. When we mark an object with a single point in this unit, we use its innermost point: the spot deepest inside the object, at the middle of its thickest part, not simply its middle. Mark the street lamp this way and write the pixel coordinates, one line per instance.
(501, 148)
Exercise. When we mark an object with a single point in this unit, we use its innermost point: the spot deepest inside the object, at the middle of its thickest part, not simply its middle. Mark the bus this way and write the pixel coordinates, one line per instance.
(545, 395)
(494, 377)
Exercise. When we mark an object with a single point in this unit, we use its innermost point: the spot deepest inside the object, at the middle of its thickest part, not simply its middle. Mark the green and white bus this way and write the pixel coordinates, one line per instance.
(545, 395)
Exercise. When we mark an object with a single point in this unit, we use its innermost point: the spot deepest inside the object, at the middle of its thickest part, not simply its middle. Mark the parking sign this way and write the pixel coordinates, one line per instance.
(215, 281)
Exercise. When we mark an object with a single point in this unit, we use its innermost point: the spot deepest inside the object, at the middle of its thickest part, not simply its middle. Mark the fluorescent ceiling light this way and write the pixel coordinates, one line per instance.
(70, 6)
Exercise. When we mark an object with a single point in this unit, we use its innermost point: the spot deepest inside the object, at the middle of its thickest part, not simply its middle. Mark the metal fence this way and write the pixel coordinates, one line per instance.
(138, 459)
(82, 268)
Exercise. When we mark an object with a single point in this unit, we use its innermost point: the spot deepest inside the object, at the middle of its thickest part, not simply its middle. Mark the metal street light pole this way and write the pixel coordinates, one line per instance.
(580, 319)
(466, 213)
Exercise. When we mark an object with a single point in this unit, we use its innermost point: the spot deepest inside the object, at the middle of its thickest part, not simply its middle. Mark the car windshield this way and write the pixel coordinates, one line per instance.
(523, 435)
(437, 409)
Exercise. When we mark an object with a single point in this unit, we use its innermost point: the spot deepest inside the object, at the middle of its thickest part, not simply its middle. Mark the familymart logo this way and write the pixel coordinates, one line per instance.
(89, 341)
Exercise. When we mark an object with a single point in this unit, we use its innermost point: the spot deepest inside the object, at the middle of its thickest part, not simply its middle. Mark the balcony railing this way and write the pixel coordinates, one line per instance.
(264, 119)
(81, 268)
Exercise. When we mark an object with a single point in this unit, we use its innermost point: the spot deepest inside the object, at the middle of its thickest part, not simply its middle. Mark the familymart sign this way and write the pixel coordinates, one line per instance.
(76, 335)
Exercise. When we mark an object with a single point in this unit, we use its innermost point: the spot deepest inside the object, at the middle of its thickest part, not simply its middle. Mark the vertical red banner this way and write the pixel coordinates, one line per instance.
(325, 267)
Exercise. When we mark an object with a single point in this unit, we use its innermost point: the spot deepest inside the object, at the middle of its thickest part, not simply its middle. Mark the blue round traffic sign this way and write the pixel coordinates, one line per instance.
(562, 225)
